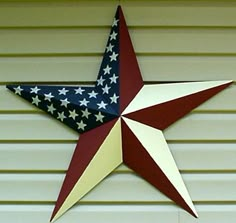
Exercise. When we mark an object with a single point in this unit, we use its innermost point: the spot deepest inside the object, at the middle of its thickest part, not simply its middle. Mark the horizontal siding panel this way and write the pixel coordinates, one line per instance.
(118, 213)
(116, 188)
(56, 156)
(180, 13)
(138, 13)
(85, 68)
(211, 214)
(34, 127)
(191, 127)
(203, 127)
(57, 14)
(90, 213)
(93, 40)
(224, 101)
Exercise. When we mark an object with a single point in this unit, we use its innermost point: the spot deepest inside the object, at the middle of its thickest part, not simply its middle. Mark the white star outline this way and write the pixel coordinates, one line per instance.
(113, 57)
(102, 104)
(84, 102)
(36, 100)
(113, 35)
(79, 90)
(107, 70)
(81, 125)
(35, 90)
(109, 48)
(106, 89)
(73, 114)
(64, 102)
(61, 116)
(100, 81)
(63, 91)
(114, 98)
(51, 108)
(48, 97)
(85, 113)
(93, 94)
(115, 22)
(113, 79)
(18, 90)
(99, 117)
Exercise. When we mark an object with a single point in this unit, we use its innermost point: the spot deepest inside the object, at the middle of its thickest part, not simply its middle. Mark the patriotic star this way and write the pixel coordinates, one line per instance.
(64, 102)
(48, 96)
(36, 100)
(113, 79)
(113, 35)
(62, 91)
(107, 70)
(18, 90)
(85, 113)
(51, 109)
(61, 116)
(92, 94)
(73, 114)
(79, 90)
(109, 48)
(122, 122)
(113, 57)
(99, 81)
(35, 90)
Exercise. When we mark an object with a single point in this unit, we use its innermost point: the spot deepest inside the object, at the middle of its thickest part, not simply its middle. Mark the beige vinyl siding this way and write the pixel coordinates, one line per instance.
(62, 42)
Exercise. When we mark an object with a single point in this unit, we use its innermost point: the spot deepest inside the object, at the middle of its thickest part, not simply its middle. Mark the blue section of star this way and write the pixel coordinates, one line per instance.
(82, 108)
(107, 83)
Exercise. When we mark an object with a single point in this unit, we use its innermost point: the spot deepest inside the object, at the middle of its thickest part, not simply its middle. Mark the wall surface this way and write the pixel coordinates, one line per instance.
(63, 42)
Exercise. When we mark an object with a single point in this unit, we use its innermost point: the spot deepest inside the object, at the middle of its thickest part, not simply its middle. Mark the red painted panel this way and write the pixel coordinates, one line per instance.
(163, 115)
(138, 159)
(87, 146)
(130, 77)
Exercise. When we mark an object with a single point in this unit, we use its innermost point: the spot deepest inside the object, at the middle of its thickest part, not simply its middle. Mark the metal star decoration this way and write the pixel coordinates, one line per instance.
(120, 120)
